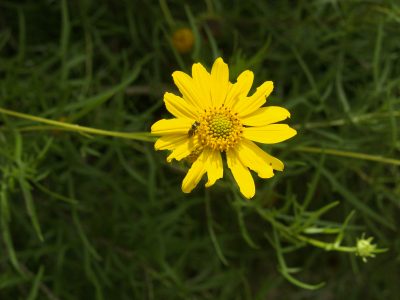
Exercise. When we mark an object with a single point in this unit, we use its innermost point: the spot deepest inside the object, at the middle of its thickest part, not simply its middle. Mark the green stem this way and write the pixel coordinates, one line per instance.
(358, 155)
(140, 136)
(323, 245)
(355, 119)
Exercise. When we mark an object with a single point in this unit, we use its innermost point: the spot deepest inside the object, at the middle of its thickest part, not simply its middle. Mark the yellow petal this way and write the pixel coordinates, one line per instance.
(270, 134)
(183, 149)
(188, 88)
(248, 105)
(269, 159)
(266, 115)
(240, 88)
(241, 174)
(194, 174)
(171, 126)
(219, 82)
(202, 80)
(257, 160)
(214, 167)
(170, 142)
(179, 107)
(254, 161)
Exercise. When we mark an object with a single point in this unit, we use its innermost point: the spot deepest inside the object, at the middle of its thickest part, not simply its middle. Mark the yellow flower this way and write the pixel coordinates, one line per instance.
(215, 116)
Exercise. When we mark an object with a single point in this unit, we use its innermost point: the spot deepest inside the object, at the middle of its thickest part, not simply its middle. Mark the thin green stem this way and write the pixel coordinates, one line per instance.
(357, 155)
(323, 245)
(140, 136)
(355, 119)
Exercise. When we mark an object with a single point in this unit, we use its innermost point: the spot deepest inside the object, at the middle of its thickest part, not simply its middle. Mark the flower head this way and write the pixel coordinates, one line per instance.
(214, 116)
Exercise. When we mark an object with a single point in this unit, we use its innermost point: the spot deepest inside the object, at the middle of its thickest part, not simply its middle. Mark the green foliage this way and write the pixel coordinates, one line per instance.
(93, 212)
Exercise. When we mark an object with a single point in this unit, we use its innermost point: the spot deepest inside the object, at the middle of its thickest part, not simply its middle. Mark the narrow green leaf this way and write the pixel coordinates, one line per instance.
(90, 249)
(33, 294)
(5, 219)
(351, 198)
(285, 271)
(242, 225)
(196, 34)
(30, 206)
(211, 230)
(93, 102)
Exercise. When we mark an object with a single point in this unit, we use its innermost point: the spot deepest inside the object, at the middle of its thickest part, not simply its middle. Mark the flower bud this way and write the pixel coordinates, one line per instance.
(365, 248)
(183, 40)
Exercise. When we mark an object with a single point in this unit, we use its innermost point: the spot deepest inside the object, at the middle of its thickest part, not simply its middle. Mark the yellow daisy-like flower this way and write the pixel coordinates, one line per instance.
(215, 116)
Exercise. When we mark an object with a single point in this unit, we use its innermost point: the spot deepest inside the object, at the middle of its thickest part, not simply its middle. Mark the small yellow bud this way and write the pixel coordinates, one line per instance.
(183, 40)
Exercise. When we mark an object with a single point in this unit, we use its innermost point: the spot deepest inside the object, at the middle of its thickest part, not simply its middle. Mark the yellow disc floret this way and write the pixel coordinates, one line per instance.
(219, 128)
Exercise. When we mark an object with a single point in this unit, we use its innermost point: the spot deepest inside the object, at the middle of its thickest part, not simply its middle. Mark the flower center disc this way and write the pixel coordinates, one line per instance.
(219, 128)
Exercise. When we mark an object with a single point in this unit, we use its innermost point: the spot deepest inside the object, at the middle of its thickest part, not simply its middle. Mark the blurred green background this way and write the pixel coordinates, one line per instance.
(93, 217)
